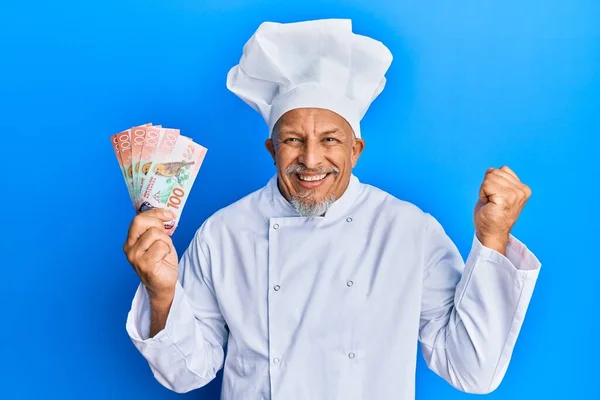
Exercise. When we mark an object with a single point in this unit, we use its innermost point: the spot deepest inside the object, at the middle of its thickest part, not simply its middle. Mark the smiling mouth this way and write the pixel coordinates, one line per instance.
(311, 178)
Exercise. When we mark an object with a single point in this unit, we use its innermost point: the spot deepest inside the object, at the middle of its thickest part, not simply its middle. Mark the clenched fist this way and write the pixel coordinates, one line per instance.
(151, 253)
(502, 196)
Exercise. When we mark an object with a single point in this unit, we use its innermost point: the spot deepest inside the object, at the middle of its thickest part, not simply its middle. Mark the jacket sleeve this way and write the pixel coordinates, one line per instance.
(472, 312)
(188, 352)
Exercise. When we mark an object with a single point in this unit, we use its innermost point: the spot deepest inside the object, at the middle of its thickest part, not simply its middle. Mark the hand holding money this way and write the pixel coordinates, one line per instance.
(159, 167)
(151, 253)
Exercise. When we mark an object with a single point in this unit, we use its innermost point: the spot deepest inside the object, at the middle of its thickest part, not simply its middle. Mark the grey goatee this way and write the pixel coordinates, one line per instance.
(304, 202)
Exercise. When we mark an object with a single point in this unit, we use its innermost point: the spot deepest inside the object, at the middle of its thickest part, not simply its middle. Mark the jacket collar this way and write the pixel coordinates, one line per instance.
(339, 209)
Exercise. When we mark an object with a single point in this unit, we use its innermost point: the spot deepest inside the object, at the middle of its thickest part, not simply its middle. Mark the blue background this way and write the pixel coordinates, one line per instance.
(473, 84)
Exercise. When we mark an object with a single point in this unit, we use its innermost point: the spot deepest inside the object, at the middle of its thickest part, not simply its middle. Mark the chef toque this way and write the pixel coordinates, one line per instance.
(315, 64)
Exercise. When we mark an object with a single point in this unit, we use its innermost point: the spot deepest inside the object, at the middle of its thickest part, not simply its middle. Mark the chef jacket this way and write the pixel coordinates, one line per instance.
(334, 307)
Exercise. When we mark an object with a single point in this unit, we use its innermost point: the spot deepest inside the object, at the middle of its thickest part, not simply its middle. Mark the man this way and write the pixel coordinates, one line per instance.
(320, 285)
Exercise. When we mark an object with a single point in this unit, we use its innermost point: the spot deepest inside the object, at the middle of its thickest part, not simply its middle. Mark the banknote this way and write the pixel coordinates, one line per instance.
(124, 143)
(158, 144)
(123, 140)
(137, 134)
(161, 171)
(115, 143)
(170, 179)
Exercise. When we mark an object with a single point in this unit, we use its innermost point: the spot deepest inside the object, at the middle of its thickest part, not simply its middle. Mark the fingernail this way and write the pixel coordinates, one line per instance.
(168, 214)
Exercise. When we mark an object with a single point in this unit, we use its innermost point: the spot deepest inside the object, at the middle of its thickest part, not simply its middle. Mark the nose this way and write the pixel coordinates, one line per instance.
(312, 154)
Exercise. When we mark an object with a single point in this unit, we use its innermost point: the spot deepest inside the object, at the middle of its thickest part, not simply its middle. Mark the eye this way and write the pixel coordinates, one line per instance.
(291, 140)
(331, 139)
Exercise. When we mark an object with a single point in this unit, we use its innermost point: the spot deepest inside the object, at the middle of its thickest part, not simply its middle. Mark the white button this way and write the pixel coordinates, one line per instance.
(349, 283)
(275, 226)
(349, 219)
(276, 360)
(351, 355)
(277, 287)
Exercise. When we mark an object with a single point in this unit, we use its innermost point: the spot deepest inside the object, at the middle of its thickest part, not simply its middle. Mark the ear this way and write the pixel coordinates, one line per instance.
(270, 147)
(358, 145)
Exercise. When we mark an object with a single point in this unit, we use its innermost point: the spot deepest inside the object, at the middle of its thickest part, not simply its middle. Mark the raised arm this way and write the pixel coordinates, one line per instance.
(180, 332)
(472, 311)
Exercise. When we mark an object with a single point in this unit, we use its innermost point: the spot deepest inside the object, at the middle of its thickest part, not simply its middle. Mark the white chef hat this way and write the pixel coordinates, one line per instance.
(316, 64)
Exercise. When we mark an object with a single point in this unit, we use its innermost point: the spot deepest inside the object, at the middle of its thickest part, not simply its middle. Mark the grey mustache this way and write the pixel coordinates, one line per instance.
(298, 169)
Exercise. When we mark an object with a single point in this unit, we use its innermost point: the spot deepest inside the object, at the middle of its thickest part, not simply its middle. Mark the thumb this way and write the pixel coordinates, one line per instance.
(483, 197)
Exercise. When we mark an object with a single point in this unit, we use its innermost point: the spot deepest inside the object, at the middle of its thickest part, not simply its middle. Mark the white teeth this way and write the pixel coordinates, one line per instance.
(312, 178)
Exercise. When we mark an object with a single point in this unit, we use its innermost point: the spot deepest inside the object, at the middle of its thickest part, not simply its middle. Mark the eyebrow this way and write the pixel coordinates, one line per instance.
(331, 131)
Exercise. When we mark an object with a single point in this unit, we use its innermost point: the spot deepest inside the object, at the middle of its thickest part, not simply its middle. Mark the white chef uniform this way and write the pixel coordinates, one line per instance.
(333, 307)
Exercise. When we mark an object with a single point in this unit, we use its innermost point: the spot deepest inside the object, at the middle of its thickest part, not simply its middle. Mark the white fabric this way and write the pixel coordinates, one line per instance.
(318, 64)
(333, 307)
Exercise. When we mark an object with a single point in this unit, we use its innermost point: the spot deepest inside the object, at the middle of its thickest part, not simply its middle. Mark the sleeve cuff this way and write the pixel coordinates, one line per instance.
(138, 318)
(519, 258)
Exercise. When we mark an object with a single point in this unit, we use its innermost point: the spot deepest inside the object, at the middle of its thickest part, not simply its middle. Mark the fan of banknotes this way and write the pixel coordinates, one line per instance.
(159, 167)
